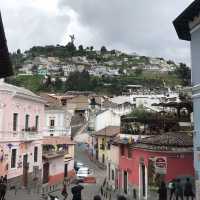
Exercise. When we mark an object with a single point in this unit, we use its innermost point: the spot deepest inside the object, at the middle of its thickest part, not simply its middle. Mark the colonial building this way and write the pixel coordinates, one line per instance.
(144, 164)
(21, 123)
(187, 25)
(101, 141)
(58, 159)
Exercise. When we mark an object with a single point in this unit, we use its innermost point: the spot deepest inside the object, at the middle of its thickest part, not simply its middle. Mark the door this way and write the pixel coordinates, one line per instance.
(25, 170)
(125, 182)
(66, 170)
(143, 180)
(45, 172)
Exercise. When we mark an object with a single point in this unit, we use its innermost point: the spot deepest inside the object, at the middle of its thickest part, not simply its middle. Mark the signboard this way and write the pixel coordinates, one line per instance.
(161, 165)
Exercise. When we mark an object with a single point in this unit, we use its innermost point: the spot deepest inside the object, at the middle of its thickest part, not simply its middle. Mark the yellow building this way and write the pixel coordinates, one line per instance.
(102, 140)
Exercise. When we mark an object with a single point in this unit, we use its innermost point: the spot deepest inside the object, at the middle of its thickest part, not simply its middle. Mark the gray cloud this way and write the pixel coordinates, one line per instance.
(134, 25)
(141, 26)
(27, 26)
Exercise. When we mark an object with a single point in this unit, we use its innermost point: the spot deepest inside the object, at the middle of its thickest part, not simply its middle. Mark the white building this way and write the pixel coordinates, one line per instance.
(57, 121)
(106, 118)
(187, 26)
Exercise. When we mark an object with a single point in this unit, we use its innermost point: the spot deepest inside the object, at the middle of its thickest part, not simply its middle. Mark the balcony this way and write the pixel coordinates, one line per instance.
(54, 131)
(23, 135)
(52, 151)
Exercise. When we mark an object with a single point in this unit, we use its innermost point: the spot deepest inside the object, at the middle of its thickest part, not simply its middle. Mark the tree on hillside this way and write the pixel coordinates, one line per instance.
(138, 71)
(103, 49)
(80, 48)
(91, 48)
(184, 73)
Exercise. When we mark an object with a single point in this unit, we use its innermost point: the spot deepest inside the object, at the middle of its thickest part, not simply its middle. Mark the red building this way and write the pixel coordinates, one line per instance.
(144, 164)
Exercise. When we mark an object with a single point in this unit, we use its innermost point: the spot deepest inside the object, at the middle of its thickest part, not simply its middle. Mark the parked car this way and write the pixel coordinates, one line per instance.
(83, 172)
(78, 165)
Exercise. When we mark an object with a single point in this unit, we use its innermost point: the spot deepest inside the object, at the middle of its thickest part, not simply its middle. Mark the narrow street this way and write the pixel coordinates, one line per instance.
(89, 189)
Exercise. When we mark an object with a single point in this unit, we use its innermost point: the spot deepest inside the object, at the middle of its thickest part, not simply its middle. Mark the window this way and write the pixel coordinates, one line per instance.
(122, 150)
(15, 121)
(35, 154)
(26, 122)
(113, 175)
(13, 158)
(37, 122)
(129, 152)
(52, 123)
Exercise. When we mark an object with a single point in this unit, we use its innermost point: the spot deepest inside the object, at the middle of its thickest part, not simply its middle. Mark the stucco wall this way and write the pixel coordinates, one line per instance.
(182, 166)
(21, 106)
(195, 55)
(107, 118)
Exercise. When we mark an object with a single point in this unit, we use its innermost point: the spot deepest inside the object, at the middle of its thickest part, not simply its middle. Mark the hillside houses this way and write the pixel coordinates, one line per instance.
(107, 64)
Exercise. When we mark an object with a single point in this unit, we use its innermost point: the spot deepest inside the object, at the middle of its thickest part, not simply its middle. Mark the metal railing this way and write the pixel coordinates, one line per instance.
(20, 135)
(57, 131)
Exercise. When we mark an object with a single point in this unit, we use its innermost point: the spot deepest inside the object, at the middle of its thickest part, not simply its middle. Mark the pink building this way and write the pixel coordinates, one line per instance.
(21, 123)
(144, 164)
(58, 159)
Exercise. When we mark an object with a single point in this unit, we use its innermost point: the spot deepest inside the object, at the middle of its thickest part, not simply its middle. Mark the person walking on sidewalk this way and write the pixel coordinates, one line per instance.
(172, 188)
(3, 188)
(179, 190)
(64, 191)
(76, 191)
(162, 191)
(188, 192)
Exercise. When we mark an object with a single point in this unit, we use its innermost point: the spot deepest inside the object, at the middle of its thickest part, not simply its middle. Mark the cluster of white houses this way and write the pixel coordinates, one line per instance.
(35, 142)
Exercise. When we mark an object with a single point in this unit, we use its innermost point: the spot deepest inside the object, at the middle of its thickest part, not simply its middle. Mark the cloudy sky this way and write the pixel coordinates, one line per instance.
(142, 26)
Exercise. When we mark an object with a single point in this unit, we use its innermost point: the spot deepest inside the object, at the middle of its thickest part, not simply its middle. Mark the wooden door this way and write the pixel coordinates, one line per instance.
(25, 170)
(45, 172)
(66, 170)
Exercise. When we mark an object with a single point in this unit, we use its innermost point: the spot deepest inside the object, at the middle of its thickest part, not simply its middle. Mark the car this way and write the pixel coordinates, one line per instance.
(83, 172)
(78, 165)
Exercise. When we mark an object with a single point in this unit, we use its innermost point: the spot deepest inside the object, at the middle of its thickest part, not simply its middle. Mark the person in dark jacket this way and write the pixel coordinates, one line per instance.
(64, 191)
(162, 191)
(179, 190)
(121, 197)
(76, 191)
(3, 189)
(188, 192)
(172, 188)
(97, 197)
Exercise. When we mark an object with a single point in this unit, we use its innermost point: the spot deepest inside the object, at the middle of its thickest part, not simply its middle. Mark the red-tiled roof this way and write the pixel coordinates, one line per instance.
(110, 131)
(169, 139)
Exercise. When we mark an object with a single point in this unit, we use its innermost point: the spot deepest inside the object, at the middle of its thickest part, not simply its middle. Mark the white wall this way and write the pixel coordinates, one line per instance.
(195, 53)
(61, 120)
(107, 118)
(56, 166)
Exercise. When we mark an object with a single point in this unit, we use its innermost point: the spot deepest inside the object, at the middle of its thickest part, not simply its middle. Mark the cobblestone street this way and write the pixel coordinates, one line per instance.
(89, 189)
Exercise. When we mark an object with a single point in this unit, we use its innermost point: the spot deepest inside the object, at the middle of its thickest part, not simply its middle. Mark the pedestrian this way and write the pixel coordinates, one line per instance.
(3, 189)
(64, 191)
(97, 197)
(101, 190)
(162, 191)
(172, 188)
(120, 197)
(188, 192)
(179, 190)
(76, 191)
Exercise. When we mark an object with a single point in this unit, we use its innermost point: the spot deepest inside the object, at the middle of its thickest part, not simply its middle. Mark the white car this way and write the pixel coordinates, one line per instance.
(83, 172)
